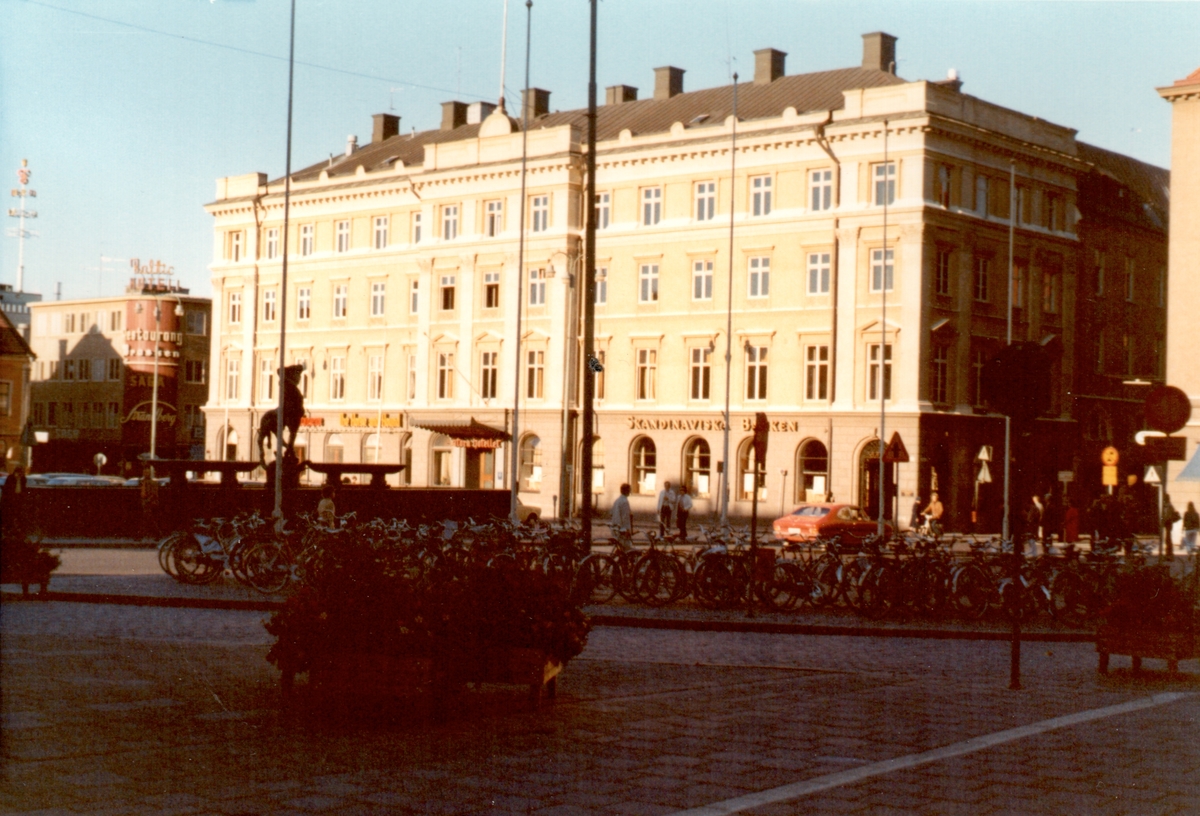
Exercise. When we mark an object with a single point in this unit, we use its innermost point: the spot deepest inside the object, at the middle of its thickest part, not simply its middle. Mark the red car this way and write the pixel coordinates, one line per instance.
(824, 520)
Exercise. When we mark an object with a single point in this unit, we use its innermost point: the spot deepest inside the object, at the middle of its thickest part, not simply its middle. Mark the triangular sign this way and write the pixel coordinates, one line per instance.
(985, 454)
(985, 475)
(895, 451)
(1153, 476)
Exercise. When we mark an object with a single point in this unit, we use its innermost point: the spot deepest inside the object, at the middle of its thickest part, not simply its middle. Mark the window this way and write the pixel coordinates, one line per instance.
(1130, 279)
(980, 279)
(304, 303)
(414, 296)
(304, 375)
(5, 398)
(272, 243)
(882, 275)
(884, 176)
(647, 371)
(493, 223)
(306, 239)
(879, 371)
(113, 415)
(648, 284)
(821, 190)
(941, 272)
(1020, 283)
(760, 195)
(374, 378)
(381, 232)
(269, 306)
(944, 186)
(488, 374)
(651, 206)
(445, 375)
(491, 290)
(337, 378)
(114, 320)
(1053, 215)
(979, 360)
(114, 369)
(531, 463)
(266, 379)
(1051, 291)
(537, 287)
(816, 373)
(813, 470)
(1098, 273)
(1022, 204)
(601, 376)
(343, 236)
(939, 375)
(378, 291)
(69, 369)
(335, 452)
(67, 412)
(232, 385)
(981, 195)
(760, 277)
(69, 323)
(539, 213)
(600, 211)
(644, 465)
(97, 370)
(196, 322)
(339, 299)
(601, 285)
(233, 245)
(416, 228)
(697, 468)
(818, 273)
(39, 413)
(701, 371)
(756, 372)
(52, 414)
(449, 222)
(751, 473)
(706, 200)
(195, 371)
(412, 377)
(702, 280)
(535, 370)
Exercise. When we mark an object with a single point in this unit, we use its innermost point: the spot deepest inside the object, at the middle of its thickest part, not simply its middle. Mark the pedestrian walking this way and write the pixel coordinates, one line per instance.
(150, 504)
(934, 512)
(1033, 522)
(622, 519)
(666, 508)
(1070, 528)
(1169, 516)
(683, 510)
(1191, 528)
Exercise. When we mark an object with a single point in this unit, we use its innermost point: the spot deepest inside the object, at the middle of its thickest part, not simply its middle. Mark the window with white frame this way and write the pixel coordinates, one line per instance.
(882, 274)
(820, 185)
(879, 371)
(939, 375)
(756, 372)
(445, 375)
(816, 372)
(941, 272)
(539, 213)
(644, 466)
(535, 371)
(381, 232)
(818, 273)
(701, 374)
(235, 307)
(493, 219)
(651, 206)
(411, 391)
(647, 374)
(446, 290)
(537, 287)
(343, 236)
(114, 320)
(340, 298)
(760, 195)
(233, 245)
(491, 290)
(489, 367)
(272, 243)
(449, 222)
(884, 177)
(982, 187)
(268, 311)
(531, 463)
(982, 272)
(601, 210)
(601, 285)
(706, 200)
(303, 302)
(266, 379)
(233, 368)
(702, 279)
(414, 296)
(648, 283)
(337, 378)
(760, 277)
(374, 377)
(306, 239)
(378, 293)
(416, 228)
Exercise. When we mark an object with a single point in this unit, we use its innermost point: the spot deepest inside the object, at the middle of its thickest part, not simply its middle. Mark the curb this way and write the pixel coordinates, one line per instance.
(144, 600)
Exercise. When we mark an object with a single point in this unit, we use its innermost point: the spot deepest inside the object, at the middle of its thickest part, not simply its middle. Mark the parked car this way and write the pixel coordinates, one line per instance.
(80, 480)
(824, 520)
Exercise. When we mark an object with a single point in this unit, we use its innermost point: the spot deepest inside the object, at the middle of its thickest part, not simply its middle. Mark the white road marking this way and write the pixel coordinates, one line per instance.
(820, 783)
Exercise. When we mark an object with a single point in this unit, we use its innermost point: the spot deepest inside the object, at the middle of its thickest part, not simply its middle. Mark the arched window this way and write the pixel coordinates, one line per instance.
(441, 453)
(531, 463)
(644, 466)
(697, 467)
(372, 452)
(333, 449)
(746, 470)
(812, 471)
(231, 444)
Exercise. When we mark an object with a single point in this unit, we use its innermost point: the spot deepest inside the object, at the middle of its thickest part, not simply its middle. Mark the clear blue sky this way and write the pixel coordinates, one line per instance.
(128, 110)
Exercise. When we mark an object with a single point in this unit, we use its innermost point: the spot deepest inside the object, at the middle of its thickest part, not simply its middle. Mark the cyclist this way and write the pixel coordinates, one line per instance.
(934, 513)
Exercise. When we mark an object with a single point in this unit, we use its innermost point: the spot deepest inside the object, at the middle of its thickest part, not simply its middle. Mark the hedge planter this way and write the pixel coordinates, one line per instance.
(1153, 616)
(27, 568)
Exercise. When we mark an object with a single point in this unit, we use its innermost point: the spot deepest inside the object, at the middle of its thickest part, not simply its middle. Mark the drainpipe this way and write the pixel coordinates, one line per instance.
(823, 142)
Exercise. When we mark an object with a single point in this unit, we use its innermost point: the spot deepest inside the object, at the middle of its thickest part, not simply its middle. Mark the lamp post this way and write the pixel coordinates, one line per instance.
(569, 333)
(154, 387)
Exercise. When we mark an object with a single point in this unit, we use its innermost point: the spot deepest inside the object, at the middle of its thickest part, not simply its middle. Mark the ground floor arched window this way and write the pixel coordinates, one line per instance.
(812, 471)
(697, 467)
(643, 472)
(334, 451)
(372, 450)
(441, 454)
(747, 468)
(531, 463)
(231, 445)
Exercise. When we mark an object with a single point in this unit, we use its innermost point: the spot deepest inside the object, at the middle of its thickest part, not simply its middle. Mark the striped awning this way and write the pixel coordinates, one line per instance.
(470, 434)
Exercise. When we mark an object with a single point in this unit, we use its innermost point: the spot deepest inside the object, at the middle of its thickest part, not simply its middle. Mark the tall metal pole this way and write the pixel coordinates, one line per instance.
(516, 427)
(225, 430)
(883, 357)
(589, 296)
(20, 213)
(729, 311)
(154, 389)
(283, 286)
(1014, 671)
(503, 53)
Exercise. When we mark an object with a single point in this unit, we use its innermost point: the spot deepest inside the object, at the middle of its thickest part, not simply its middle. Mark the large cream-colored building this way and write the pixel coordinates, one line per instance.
(867, 269)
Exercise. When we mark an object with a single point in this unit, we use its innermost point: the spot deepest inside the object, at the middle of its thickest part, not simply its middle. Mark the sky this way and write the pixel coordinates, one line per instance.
(129, 110)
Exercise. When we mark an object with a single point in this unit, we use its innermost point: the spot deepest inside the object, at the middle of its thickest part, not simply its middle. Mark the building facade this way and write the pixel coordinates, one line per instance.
(16, 366)
(99, 359)
(851, 226)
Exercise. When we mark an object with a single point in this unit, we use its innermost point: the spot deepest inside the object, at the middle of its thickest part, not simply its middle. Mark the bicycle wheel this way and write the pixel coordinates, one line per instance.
(655, 577)
(971, 592)
(594, 580)
(720, 582)
(849, 583)
(787, 586)
(871, 592)
(1070, 602)
(267, 567)
(827, 579)
(1016, 600)
(166, 557)
(193, 564)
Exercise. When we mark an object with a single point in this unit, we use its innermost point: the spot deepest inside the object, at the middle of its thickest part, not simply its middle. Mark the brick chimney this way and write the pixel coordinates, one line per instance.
(386, 125)
(879, 52)
(616, 94)
(768, 65)
(454, 114)
(668, 82)
(536, 102)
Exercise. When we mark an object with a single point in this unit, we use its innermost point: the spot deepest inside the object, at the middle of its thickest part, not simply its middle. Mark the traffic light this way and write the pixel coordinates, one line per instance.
(1016, 382)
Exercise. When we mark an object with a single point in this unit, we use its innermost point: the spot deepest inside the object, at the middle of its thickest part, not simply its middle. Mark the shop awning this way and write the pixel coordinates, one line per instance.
(467, 434)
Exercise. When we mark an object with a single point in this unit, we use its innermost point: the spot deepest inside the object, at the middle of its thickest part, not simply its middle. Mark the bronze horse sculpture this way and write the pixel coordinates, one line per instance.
(293, 406)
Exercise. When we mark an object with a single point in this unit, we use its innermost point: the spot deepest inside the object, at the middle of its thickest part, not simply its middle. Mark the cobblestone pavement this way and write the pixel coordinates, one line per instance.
(124, 709)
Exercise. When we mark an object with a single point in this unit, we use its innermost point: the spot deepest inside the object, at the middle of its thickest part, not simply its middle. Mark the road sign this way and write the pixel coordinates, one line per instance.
(1109, 456)
(1166, 448)
(1066, 475)
(895, 450)
(985, 475)
(1168, 409)
(1108, 476)
(1153, 475)
(985, 454)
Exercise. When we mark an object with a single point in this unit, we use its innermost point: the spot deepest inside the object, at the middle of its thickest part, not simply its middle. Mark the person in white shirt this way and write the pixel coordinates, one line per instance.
(622, 520)
(666, 508)
(683, 509)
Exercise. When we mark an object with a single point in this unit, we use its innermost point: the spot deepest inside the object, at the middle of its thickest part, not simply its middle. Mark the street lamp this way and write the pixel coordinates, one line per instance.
(569, 333)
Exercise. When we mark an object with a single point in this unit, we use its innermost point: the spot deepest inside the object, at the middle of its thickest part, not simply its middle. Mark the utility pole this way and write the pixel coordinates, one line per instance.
(21, 213)
(589, 298)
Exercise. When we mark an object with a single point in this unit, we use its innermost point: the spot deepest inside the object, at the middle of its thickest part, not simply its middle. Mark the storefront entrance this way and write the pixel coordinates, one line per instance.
(868, 483)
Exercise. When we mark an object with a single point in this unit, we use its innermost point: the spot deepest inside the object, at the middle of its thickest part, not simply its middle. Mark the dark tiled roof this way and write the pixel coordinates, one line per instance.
(11, 341)
(1149, 184)
(821, 90)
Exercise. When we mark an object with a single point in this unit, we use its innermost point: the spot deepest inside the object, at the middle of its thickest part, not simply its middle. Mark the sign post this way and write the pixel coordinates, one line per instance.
(1154, 476)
